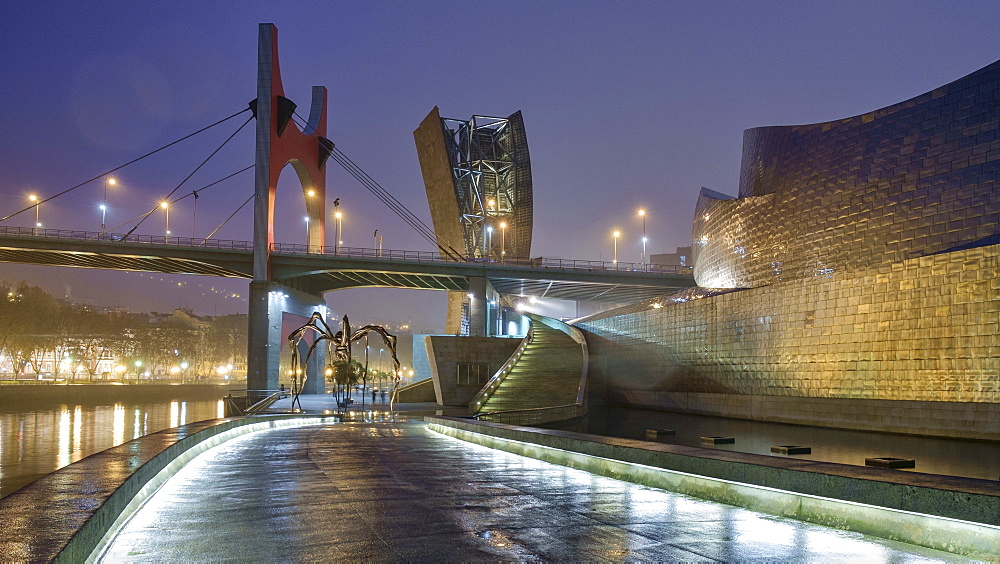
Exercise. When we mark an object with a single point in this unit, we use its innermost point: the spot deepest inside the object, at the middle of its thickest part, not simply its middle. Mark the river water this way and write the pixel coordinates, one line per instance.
(42, 434)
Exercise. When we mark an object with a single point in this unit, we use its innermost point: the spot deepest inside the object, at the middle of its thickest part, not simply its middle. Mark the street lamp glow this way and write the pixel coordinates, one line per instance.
(503, 238)
(642, 214)
(339, 216)
(617, 234)
(310, 192)
(166, 208)
(34, 199)
(104, 203)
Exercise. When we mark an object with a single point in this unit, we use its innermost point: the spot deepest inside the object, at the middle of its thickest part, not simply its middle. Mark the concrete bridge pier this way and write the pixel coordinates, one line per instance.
(483, 307)
(267, 345)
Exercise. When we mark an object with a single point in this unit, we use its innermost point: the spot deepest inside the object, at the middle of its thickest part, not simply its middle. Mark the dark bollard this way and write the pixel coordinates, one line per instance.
(791, 449)
(718, 440)
(889, 462)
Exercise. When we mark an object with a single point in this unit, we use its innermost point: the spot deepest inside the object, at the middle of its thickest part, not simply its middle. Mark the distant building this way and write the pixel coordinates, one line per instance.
(681, 257)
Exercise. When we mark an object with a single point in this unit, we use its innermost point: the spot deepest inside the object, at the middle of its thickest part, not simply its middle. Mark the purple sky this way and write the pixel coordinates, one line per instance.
(626, 105)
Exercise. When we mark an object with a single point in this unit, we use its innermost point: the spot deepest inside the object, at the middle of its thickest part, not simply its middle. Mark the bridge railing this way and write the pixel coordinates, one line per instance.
(224, 244)
(341, 251)
(424, 256)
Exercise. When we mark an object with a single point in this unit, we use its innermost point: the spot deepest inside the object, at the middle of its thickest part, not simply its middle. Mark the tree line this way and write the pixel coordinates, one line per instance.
(35, 326)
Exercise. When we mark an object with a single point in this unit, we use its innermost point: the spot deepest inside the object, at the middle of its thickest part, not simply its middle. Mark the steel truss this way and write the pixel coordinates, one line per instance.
(482, 154)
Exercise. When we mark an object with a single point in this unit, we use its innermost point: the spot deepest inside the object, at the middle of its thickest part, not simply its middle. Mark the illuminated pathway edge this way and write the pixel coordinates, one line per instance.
(394, 491)
(958, 515)
(66, 514)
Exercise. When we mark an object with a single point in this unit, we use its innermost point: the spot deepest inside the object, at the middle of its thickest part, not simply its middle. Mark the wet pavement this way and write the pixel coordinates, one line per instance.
(395, 491)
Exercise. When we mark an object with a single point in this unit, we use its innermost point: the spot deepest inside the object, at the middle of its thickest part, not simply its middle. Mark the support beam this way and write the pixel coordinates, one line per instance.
(267, 346)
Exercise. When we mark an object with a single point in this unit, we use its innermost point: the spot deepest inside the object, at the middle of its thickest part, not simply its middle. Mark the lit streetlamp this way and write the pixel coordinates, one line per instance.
(642, 214)
(616, 234)
(34, 199)
(166, 209)
(104, 204)
(340, 218)
(503, 239)
(138, 368)
(306, 218)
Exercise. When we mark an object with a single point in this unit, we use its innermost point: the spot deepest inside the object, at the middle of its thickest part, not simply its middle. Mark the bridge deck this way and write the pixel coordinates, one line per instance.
(324, 269)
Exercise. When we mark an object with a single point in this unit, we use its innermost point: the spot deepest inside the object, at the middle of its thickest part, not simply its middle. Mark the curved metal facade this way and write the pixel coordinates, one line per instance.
(862, 259)
(910, 180)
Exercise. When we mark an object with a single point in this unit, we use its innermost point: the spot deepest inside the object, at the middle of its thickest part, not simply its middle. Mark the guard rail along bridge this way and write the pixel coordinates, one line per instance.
(316, 270)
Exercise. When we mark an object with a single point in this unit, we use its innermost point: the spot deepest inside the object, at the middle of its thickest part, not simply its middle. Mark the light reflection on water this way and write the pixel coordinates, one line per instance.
(35, 443)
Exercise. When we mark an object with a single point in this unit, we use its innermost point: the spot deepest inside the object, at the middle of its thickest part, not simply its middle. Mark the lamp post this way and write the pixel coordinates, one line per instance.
(138, 367)
(34, 199)
(307, 232)
(616, 234)
(503, 240)
(340, 218)
(104, 203)
(166, 208)
(642, 258)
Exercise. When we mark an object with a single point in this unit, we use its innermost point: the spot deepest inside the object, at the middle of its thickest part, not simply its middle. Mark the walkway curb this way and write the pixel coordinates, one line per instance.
(958, 515)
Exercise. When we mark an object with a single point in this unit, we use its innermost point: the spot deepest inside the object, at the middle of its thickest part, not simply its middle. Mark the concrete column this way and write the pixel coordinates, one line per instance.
(478, 306)
(268, 300)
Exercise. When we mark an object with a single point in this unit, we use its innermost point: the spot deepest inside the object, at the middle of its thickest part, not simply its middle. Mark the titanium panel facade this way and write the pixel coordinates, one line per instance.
(909, 180)
(859, 264)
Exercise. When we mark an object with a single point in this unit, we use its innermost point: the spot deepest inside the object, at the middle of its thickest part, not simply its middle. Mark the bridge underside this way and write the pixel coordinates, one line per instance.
(318, 274)
(139, 263)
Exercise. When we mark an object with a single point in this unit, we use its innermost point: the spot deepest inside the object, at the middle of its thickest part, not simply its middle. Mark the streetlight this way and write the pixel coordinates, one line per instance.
(642, 214)
(489, 240)
(138, 367)
(340, 217)
(617, 234)
(166, 209)
(184, 370)
(34, 199)
(307, 232)
(503, 239)
(104, 204)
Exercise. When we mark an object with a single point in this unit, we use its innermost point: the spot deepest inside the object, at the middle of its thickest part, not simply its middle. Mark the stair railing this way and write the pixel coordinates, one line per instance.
(477, 402)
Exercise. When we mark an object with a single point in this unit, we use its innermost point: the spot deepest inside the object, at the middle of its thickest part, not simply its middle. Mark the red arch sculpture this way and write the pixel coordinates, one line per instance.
(280, 142)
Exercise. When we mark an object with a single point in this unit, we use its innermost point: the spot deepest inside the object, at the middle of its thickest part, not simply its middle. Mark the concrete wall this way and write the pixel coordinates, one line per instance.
(445, 352)
(418, 392)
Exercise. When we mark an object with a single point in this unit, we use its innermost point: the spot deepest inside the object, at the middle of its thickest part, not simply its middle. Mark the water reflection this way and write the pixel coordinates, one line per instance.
(35, 443)
(952, 457)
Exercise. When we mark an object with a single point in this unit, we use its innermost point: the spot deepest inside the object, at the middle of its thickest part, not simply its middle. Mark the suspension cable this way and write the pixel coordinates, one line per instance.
(228, 218)
(188, 177)
(136, 218)
(389, 200)
(119, 167)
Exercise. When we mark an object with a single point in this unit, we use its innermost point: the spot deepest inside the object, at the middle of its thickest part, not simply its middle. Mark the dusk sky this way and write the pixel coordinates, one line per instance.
(626, 105)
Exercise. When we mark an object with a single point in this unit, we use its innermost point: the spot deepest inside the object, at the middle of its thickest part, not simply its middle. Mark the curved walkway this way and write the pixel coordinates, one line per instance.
(399, 492)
